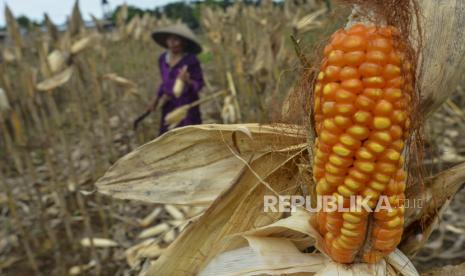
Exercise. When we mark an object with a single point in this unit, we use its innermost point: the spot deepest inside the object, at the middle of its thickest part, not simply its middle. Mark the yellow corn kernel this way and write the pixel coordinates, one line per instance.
(381, 122)
(341, 150)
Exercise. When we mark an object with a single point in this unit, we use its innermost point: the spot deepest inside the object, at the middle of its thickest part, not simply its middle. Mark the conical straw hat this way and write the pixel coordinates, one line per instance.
(181, 30)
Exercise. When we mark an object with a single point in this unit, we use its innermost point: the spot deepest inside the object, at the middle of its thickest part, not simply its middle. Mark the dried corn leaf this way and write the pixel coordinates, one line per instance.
(13, 28)
(4, 102)
(55, 81)
(193, 165)
(420, 221)
(236, 210)
(76, 24)
(52, 30)
(443, 66)
(18, 129)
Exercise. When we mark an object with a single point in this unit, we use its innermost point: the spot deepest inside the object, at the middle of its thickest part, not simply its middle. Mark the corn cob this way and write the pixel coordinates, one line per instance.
(361, 110)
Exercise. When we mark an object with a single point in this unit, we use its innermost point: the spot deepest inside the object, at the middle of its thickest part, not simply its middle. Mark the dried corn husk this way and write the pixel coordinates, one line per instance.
(56, 60)
(226, 217)
(176, 116)
(55, 81)
(146, 221)
(146, 249)
(119, 80)
(98, 242)
(211, 164)
(174, 212)
(8, 55)
(228, 112)
(237, 209)
(83, 44)
(79, 269)
(178, 87)
(154, 231)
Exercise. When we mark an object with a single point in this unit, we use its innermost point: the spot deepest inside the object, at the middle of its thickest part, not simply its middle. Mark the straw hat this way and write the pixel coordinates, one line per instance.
(181, 30)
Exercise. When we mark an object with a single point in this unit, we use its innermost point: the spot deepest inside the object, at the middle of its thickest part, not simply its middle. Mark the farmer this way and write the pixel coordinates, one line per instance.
(181, 74)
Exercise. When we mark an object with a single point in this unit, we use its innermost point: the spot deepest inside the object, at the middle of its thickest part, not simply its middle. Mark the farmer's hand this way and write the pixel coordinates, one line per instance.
(184, 75)
(150, 108)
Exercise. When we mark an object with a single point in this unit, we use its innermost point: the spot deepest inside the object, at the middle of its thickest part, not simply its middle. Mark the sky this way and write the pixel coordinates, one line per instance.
(58, 10)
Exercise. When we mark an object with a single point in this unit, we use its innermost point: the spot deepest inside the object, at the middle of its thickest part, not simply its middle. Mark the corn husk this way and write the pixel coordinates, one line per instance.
(146, 249)
(174, 212)
(55, 81)
(147, 220)
(209, 168)
(154, 231)
(178, 87)
(80, 269)
(262, 252)
(234, 211)
(176, 116)
(119, 80)
(98, 242)
(57, 60)
(8, 55)
(82, 44)
(228, 112)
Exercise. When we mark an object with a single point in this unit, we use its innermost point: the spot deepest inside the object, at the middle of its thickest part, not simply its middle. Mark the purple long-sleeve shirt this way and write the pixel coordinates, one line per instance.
(189, 94)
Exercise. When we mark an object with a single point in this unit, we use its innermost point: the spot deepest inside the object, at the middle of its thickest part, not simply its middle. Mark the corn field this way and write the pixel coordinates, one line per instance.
(84, 193)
